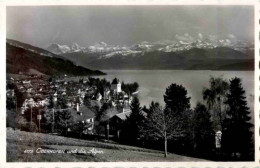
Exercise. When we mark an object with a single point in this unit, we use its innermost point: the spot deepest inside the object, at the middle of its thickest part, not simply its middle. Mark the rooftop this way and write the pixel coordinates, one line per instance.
(123, 116)
(86, 114)
(115, 81)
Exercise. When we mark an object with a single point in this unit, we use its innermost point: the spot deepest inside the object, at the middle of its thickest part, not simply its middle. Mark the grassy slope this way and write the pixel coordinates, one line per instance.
(19, 141)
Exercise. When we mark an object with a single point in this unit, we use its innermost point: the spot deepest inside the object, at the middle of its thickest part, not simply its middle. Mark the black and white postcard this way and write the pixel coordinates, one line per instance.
(148, 85)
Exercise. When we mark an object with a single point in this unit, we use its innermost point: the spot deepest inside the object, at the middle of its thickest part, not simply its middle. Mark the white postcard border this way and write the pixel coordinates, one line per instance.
(5, 3)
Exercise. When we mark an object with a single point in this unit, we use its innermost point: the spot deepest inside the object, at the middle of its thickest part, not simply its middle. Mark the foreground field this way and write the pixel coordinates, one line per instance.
(33, 147)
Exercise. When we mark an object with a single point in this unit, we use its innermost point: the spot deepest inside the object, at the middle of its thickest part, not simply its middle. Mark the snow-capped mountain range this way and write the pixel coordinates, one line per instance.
(185, 53)
(181, 43)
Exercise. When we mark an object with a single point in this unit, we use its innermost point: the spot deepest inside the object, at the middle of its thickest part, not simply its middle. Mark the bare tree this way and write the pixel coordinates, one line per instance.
(161, 123)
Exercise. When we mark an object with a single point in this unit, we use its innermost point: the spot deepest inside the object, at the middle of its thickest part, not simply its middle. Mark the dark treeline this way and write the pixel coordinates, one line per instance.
(178, 128)
(130, 88)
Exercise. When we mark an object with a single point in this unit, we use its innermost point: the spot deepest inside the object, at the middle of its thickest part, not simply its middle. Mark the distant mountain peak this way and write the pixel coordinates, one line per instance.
(181, 42)
(58, 49)
(75, 47)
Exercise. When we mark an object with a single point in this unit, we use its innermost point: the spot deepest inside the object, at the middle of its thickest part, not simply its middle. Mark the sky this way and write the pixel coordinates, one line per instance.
(125, 25)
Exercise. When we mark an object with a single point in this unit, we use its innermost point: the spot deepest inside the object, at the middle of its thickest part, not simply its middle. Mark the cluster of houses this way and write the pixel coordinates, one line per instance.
(38, 91)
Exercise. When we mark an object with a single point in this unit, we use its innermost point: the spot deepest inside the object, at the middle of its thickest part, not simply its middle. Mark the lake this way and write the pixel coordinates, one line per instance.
(153, 83)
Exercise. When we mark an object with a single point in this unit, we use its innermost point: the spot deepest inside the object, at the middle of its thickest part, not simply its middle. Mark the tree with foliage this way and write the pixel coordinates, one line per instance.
(10, 103)
(125, 88)
(152, 106)
(51, 103)
(102, 85)
(86, 100)
(62, 102)
(100, 113)
(15, 120)
(209, 96)
(33, 112)
(178, 103)
(50, 79)
(49, 117)
(136, 110)
(202, 130)
(19, 97)
(215, 97)
(78, 128)
(130, 88)
(91, 81)
(237, 137)
(135, 86)
(176, 98)
(131, 130)
(63, 120)
(162, 124)
(81, 80)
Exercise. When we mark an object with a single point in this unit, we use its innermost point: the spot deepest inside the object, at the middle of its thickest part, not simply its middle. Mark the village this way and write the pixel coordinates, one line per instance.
(83, 99)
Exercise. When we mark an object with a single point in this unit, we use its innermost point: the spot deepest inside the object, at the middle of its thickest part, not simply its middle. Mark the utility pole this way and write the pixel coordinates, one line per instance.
(31, 103)
(108, 130)
(53, 120)
(39, 117)
(31, 114)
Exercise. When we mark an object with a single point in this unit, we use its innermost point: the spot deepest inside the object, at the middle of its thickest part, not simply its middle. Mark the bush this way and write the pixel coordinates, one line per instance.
(16, 121)
(11, 117)
(31, 127)
(21, 123)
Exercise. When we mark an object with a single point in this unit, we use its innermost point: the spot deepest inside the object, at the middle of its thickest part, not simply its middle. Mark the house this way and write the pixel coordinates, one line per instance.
(115, 123)
(116, 86)
(84, 115)
(112, 122)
